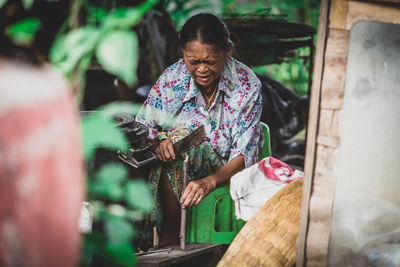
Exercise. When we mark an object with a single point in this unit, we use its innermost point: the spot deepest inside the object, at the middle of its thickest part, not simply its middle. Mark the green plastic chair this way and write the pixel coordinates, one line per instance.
(266, 150)
(214, 220)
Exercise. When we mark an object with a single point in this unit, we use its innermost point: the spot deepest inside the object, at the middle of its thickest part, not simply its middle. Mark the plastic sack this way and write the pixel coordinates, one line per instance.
(365, 231)
(253, 186)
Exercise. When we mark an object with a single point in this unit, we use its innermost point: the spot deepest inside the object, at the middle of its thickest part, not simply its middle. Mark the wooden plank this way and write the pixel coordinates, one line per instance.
(335, 69)
(312, 131)
(367, 11)
(326, 156)
(382, 1)
(329, 122)
(195, 253)
(337, 14)
(337, 44)
(333, 82)
(320, 214)
(321, 202)
(328, 140)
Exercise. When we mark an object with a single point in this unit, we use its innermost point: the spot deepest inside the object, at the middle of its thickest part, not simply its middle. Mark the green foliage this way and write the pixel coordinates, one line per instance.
(121, 253)
(27, 3)
(116, 200)
(108, 36)
(108, 182)
(100, 131)
(23, 32)
(137, 195)
(113, 231)
(293, 73)
(118, 54)
(69, 49)
(118, 230)
(2, 2)
(250, 11)
(114, 246)
(181, 10)
(111, 237)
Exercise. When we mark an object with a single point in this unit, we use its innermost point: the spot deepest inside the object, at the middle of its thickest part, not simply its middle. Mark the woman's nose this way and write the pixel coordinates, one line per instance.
(202, 68)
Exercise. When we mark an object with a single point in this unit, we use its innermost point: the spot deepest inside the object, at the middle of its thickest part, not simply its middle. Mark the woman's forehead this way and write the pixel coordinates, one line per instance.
(198, 49)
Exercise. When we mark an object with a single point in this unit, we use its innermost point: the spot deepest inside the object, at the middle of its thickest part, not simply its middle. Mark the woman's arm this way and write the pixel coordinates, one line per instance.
(197, 190)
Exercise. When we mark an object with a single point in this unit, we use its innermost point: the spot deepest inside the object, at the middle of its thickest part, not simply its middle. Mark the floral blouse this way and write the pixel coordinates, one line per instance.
(232, 120)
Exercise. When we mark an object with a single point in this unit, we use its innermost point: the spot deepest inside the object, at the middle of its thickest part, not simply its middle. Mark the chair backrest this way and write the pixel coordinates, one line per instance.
(266, 150)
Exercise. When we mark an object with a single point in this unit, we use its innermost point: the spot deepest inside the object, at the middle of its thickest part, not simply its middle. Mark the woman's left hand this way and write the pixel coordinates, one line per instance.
(196, 191)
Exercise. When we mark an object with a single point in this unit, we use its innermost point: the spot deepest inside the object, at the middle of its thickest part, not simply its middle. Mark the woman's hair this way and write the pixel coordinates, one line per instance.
(208, 28)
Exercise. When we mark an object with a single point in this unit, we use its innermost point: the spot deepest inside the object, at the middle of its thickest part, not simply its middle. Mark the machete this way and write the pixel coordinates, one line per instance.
(195, 138)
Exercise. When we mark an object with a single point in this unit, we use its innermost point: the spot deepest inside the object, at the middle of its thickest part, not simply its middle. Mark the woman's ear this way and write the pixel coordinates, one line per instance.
(231, 49)
(228, 53)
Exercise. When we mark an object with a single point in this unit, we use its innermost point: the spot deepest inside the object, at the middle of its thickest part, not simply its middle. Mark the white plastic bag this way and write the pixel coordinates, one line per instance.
(365, 231)
(253, 186)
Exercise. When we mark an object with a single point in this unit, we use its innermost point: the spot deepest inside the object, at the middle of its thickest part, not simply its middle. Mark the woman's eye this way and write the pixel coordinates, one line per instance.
(194, 62)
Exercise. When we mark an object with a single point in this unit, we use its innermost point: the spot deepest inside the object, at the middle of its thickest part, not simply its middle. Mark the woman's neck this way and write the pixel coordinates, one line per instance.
(209, 90)
(208, 95)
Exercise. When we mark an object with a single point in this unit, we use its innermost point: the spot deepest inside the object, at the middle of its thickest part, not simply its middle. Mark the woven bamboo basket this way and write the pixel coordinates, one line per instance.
(269, 238)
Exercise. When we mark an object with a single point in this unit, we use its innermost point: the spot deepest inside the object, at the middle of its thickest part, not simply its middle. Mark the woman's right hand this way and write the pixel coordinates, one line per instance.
(165, 151)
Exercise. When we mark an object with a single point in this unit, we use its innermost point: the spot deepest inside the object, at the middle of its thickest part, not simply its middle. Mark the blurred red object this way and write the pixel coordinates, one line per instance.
(41, 168)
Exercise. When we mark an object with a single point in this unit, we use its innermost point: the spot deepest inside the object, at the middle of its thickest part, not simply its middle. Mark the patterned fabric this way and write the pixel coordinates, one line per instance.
(231, 122)
(203, 161)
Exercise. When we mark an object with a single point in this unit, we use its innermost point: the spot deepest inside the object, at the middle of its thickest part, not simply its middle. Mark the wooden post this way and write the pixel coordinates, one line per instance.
(182, 234)
(312, 131)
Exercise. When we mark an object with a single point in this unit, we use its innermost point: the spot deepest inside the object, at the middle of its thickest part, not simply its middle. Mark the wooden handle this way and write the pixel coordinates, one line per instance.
(182, 234)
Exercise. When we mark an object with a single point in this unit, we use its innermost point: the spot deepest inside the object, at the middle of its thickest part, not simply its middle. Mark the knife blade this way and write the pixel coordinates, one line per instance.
(195, 138)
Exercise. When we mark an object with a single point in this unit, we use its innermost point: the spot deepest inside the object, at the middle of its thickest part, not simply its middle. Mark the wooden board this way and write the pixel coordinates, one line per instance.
(337, 14)
(312, 131)
(195, 255)
(383, 12)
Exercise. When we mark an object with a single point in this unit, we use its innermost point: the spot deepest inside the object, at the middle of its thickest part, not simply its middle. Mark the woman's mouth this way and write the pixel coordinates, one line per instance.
(203, 78)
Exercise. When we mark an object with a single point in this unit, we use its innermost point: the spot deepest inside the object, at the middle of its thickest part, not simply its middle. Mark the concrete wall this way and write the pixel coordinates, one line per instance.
(367, 201)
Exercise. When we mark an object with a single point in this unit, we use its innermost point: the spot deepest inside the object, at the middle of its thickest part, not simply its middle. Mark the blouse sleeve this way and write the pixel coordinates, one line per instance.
(246, 133)
(152, 108)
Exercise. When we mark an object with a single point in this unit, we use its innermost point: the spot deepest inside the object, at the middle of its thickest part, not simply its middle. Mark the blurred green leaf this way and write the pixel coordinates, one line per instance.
(123, 18)
(2, 2)
(110, 110)
(96, 14)
(138, 195)
(122, 254)
(295, 71)
(118, 230)
(118, 54)
(70, 48)
(27, 4)
(99, 131)
(108, 181)
(83, 66)
(23, 32)
(91, 245)
(58, 51)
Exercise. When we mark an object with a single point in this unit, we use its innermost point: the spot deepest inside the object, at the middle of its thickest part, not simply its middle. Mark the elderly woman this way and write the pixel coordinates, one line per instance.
(207, 87)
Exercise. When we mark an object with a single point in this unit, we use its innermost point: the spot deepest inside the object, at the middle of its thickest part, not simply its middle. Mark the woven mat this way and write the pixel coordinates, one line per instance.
(269, 238)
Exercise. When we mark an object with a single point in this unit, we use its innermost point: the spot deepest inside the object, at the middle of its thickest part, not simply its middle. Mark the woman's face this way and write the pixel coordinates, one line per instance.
(205, 63)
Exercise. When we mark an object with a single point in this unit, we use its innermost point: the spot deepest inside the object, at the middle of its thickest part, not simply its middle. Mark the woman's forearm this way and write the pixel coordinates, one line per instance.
(224, 174)
(197, 190)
